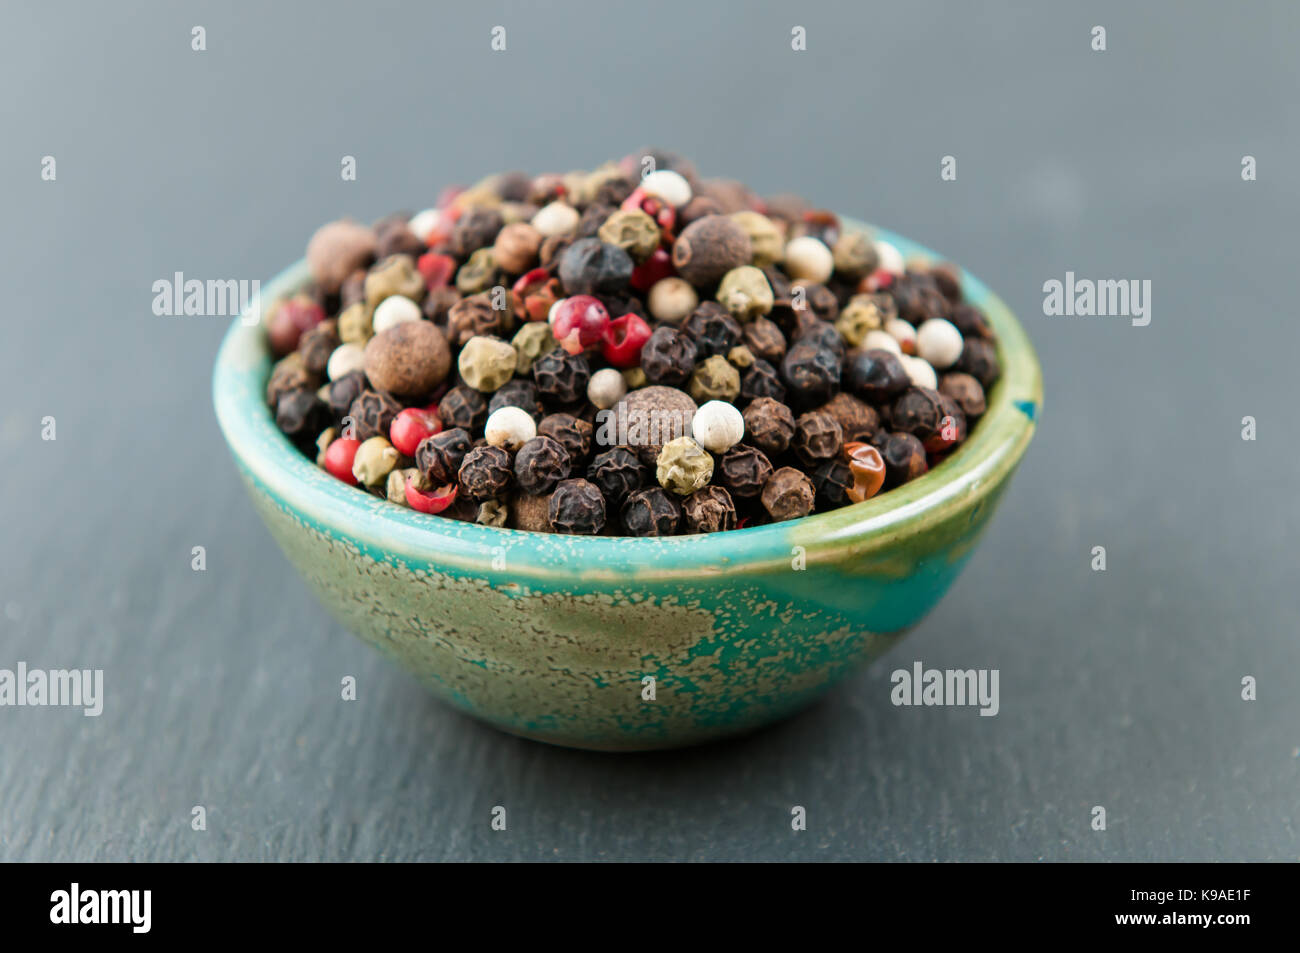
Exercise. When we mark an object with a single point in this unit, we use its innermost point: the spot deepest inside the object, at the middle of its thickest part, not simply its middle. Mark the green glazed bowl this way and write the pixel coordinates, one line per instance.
(625, 644)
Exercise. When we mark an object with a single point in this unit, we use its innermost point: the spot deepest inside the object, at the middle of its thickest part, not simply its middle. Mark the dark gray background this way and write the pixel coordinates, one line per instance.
(1119, 689)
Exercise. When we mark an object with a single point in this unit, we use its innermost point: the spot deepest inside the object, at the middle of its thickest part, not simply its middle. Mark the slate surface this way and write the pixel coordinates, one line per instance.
(1119, 689)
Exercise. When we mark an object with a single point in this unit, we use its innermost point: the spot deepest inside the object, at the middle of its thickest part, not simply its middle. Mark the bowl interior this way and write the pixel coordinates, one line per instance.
(382, 530)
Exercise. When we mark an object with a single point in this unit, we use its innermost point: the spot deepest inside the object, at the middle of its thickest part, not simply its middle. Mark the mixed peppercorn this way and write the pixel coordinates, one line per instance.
(614, 353)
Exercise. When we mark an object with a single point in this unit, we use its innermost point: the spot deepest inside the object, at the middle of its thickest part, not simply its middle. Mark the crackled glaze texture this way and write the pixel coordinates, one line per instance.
(552, 637)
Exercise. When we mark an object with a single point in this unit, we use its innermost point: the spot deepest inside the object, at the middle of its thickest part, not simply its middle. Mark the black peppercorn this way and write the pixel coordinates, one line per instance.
(979, 359)
(952, 427)
(474, 316)
(875, 375)
(744, 470)
(617, 472)
(788, 494)
(761, 380)
(317, 344)
(713, 330)
(904, 459)
(561, 377)
(476, 228)
(812, 372)
(372, 414)
(614, 190)
(764, 340)
(463, 407)
(485, 473)
(540, 464)
(858, 419)
(769, 425)
(820, 334)
(918, 297)
(570, 432)
(709, 510)
(668, 357)
(290, 373)
(438, 304)
(300, 415)
(917, 411)
(817, 436)
(590, 266)
(831, 481)
(439, 457)
(577, 507)
(651, 512)
(593, 216)
(947, 278)
(965, 391)
(819, 301)
(517, 393)
(970, 321)
(393, 237)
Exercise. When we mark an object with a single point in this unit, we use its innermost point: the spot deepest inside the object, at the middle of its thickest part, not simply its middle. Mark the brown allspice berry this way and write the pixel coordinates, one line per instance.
(530, 513)
(646, 419)
(516, 246)
(337, 250)
(651, 512)
(769, 425)
(709, 510)
(411, 358)
(817, 436)
(709, 248)
(700, 206)
(904, 458)
(577, 507)
(788, 494)
(965, 391)
(475, 315)
(857, 419)
(373, 414)
(744, 470)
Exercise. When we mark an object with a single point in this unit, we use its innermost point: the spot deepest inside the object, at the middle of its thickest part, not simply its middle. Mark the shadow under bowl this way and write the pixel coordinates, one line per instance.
(555, 637)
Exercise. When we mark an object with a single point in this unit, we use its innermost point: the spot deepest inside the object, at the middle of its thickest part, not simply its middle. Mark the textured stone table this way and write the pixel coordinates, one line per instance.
(1120, 689)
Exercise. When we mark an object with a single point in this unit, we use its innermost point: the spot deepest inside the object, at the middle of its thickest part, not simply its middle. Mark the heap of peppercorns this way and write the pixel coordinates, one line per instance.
(482, 360)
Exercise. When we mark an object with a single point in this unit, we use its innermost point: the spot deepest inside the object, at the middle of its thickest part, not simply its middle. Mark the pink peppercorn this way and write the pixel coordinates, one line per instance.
(624, 338)
(411, 426)
(339, 457)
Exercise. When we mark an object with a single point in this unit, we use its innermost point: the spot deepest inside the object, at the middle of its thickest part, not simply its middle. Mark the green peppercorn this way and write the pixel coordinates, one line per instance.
(532, 341)
(356, 323)
(633, 231)
(714, 379)
(683, 466)
(395, 275)
(741, 357)
(765, 236)
(858, 317)
(327, 437)
(746, 293)
(485, 363)
(855, 255)
(492, 513)
(375, 459)
(635, 377)
(478, 273)
(395, 488)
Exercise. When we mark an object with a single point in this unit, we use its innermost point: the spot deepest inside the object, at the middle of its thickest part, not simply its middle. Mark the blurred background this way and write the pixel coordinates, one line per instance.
(1119, 688)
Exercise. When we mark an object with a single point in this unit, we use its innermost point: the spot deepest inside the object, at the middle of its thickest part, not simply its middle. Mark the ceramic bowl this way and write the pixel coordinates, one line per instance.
(618, 643)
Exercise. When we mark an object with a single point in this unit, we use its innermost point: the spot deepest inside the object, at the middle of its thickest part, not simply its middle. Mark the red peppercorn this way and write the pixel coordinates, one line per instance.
(411, 426)
(624, 338)
(878, 280)
(533, 294)
(580, 321)
(437, 269)
(658, 266)
(339, 456)
(868, 469)
(665, 215)
(433, 501)
(289, 321)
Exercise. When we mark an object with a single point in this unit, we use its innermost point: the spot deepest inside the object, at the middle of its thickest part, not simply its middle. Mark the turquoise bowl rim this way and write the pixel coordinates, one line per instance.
(385, 531)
